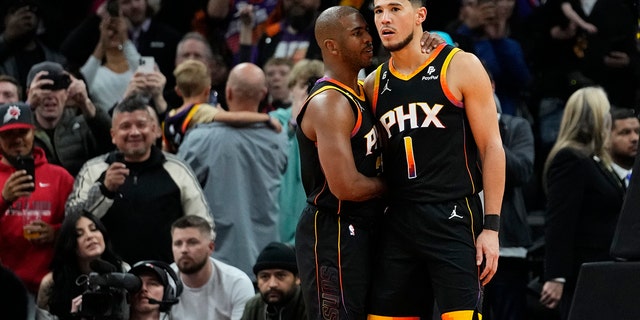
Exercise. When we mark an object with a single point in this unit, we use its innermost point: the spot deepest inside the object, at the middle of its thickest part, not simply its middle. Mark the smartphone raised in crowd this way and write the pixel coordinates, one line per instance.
(28, 164)
(146, 64)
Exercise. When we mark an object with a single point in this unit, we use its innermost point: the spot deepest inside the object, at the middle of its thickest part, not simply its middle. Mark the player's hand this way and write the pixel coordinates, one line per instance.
(487, 249)
(551, 294)
(430, 41)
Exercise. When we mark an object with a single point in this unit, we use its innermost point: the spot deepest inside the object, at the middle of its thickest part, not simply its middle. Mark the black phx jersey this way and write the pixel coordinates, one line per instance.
(366, 152)
(430, 154)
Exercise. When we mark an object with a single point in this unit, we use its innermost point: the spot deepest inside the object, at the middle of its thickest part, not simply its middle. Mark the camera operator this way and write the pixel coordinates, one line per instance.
(82, 239)
(26, 246)
(151, 286)
(70, 136)
(160, 290)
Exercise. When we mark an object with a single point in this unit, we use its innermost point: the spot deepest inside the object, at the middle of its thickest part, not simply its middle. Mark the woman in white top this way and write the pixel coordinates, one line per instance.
(112, 64)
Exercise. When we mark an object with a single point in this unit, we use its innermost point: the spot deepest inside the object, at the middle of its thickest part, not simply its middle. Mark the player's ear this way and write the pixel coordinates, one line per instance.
(331, 45)
(421, 15)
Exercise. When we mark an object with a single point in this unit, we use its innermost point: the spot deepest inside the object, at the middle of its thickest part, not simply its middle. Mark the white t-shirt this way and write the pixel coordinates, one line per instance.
(223, 297)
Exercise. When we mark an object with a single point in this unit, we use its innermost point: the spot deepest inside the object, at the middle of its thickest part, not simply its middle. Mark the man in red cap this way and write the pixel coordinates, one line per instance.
(31, 187)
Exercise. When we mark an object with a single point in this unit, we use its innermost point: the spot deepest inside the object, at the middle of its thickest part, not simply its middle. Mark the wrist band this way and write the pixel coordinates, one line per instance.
(492, 222)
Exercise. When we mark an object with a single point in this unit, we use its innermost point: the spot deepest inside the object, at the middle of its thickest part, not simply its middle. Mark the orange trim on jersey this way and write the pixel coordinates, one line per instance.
(347, 88)
(187, 120)
(406, 77)
(443, 80)
(315, 200)
(376, 317)
(460, 315)
(348, 93)
(376, 88)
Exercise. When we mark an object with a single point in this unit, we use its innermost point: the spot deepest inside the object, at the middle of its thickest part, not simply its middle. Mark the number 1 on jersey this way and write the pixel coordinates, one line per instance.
(411, 162)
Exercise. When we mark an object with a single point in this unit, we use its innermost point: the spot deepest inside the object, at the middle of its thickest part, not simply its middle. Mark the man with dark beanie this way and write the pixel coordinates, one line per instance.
(279, 285)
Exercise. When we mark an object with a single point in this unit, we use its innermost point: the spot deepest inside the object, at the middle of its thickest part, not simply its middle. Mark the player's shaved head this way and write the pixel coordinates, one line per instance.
(328, 23)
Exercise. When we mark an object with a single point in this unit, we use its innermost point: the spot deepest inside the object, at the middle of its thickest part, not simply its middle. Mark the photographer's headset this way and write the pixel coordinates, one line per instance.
(172, 284)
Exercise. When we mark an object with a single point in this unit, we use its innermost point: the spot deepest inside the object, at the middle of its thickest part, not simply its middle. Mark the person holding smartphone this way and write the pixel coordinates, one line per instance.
(31, 187)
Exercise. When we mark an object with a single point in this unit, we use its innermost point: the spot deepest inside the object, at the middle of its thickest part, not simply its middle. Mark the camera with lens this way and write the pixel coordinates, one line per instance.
(61, 81)
(106, 293)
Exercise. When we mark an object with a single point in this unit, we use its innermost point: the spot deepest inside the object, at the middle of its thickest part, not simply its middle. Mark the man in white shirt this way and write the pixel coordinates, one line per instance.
(212, 289)
(625, 128)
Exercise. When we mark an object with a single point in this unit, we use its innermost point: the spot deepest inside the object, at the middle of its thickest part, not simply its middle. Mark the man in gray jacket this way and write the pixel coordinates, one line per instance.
(240, 170)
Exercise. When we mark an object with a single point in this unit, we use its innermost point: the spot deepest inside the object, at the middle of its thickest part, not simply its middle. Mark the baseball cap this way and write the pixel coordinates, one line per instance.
(15, 116)
(53, 68)
(276, 255)
(147, 267)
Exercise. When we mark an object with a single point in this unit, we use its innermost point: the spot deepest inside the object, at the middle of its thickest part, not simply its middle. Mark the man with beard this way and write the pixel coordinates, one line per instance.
(212, 289)
(625, 128)
(31, 187)
(280, 297)
(443, 146)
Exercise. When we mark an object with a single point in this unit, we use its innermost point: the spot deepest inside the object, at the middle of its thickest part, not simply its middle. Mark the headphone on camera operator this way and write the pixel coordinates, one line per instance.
(172, 284)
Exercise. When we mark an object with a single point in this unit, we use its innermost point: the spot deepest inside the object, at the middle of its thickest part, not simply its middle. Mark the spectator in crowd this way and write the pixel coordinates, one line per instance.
(225, 158)
(279, 296)
(20, 45)
(10, 89)
(502, 55)
(194, 46)
(231, 23)
(291, 37)
(82, 240)
(193, 84)
(213, 290)
(32, 202)
(276, 71)
(292, 197)
(625, 128)
(112, 64)
(506, 294)
(149, 36)
(137, 190)
(69, 127)
(584, 196)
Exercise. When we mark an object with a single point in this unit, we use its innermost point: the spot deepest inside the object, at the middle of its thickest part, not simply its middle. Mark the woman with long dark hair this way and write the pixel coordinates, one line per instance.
(81, 240)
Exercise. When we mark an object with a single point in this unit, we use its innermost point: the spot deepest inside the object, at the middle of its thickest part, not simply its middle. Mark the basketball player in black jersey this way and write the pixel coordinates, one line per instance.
(340, 163)
(442, 146)
(340, 166)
